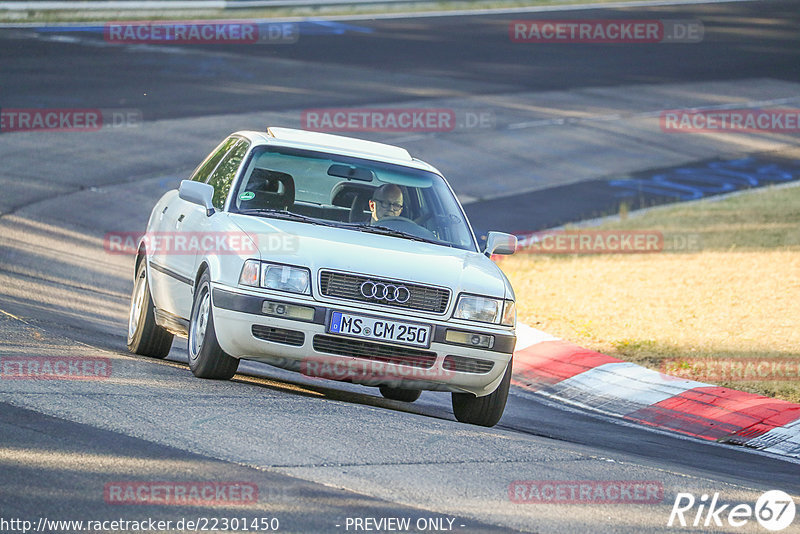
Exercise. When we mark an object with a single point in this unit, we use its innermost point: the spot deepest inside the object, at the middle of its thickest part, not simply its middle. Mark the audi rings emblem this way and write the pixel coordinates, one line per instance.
(387, 292)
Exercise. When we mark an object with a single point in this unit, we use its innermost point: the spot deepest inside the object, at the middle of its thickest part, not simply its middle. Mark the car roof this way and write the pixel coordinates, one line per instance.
(336, 144)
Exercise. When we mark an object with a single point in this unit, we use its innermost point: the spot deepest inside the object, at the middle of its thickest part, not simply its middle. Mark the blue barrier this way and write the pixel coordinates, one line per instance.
(713, 178)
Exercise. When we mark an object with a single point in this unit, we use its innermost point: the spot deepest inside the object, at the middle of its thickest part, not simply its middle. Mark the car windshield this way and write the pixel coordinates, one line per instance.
(360, 194)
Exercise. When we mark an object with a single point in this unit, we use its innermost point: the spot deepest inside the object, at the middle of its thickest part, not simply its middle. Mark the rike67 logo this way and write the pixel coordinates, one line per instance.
(774, 510)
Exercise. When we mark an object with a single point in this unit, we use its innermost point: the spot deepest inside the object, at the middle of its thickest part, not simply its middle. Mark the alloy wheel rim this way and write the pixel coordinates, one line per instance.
(200, 324)
(137, 299)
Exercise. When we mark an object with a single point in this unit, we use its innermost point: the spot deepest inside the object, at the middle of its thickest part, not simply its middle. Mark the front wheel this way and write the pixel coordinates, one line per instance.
(483, 411)
(206, 357)
(403, 395)
(145, 337)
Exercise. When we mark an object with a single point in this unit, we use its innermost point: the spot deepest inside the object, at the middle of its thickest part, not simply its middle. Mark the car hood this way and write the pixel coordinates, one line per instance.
(323, 247)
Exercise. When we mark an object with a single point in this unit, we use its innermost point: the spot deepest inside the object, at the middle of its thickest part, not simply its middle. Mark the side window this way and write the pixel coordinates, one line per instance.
(207, 167)
(223, 176)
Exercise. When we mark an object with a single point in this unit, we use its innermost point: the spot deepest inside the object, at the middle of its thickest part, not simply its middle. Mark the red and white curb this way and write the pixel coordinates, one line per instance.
(566, 372)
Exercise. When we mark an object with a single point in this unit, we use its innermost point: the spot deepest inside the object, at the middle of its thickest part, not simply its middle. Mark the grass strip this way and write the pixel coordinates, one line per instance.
(723, 310)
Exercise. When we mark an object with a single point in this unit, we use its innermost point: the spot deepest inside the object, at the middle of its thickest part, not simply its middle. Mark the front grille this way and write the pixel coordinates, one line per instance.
(463, 364)
(348, 286)
(342, 346)
(278, 335)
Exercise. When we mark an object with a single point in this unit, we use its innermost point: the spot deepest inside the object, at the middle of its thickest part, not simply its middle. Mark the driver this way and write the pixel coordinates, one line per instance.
(387, 201)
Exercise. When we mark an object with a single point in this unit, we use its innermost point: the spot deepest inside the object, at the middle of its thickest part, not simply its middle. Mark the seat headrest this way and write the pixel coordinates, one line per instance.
(272, 189)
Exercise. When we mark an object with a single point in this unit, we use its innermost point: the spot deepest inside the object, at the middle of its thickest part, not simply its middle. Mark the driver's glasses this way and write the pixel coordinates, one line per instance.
(394, 206)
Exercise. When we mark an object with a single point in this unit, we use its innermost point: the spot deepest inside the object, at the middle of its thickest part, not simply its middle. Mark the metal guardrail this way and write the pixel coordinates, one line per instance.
(135, 5)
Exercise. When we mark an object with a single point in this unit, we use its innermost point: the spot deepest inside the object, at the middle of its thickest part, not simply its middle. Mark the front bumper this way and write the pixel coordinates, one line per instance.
(245, 331)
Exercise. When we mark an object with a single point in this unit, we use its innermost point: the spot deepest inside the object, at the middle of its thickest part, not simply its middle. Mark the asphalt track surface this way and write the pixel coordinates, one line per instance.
(319, 452)
(409, 57)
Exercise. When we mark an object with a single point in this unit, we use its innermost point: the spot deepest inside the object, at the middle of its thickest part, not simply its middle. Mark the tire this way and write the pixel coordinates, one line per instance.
(483, 411)
(402, 395)
(145, 337)
(206, 358)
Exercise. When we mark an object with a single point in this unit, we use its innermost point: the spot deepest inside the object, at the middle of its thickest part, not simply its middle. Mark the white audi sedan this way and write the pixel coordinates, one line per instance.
(335, 257)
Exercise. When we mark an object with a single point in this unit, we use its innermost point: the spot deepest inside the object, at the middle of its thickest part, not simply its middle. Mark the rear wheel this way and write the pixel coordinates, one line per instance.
(403, 395)
(483, 411)
(206, 357)
(145, 337)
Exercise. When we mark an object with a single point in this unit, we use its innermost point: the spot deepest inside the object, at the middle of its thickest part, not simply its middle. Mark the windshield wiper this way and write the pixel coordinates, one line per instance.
(384, 230)
(285, 214)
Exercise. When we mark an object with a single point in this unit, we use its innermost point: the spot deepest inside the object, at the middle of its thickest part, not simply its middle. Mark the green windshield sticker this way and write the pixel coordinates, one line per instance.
(247, 195)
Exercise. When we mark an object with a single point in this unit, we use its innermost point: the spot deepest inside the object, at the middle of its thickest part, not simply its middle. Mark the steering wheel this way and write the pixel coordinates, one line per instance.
(396, 218)
(404, 224)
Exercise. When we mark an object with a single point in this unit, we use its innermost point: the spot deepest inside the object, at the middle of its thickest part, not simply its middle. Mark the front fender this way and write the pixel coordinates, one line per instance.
(224, 267)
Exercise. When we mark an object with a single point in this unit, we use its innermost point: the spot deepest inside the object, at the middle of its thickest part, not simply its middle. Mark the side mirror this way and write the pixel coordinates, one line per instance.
(197, 193)
(500, 243)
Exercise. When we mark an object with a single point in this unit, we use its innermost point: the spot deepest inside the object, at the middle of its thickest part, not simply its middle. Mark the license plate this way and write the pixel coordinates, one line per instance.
(380, 329)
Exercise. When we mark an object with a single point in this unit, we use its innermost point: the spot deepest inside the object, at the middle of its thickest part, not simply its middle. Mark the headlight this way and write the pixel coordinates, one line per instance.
(275, 276)
(482, 309)
(286, 278)
(486, 310)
